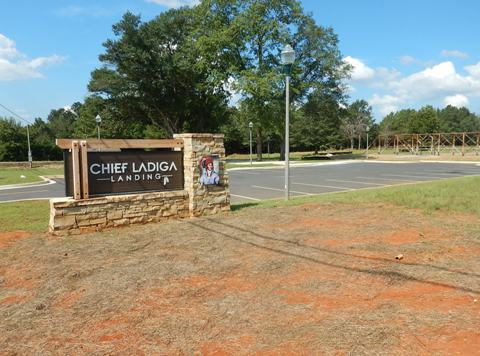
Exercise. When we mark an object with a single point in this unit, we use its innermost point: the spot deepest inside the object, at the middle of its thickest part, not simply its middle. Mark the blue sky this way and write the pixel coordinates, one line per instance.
(406, 54)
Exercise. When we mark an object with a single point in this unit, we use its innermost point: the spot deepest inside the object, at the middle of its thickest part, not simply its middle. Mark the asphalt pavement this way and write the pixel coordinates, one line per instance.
(255, 184)
(260, 184)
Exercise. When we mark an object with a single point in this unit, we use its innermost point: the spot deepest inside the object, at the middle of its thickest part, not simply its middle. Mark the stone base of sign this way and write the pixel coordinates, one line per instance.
(69, 216)
(75, 216)
(209, 199)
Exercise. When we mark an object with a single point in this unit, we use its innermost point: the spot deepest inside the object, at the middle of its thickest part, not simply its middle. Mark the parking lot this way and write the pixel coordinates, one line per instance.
(256, 184)
(269, 183)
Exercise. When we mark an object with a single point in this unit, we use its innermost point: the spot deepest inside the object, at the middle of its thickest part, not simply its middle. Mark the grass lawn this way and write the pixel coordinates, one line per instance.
(29, 216)
(458, 195)
(294, 156)
(454, 195)
(13, 175)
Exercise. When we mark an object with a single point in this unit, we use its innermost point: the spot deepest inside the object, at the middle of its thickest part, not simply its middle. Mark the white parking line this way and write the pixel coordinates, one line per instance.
(353, 181)
(389, 179)
(442, 174)
(244, 197)
(282, 190)
(411, 176)
(324, 186)
(245, 172)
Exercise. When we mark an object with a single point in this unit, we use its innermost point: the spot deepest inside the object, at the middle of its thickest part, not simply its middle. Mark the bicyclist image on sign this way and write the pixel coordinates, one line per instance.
(209, 168)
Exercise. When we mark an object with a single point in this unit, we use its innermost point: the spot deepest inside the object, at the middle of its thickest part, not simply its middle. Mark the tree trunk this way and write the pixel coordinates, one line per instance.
(351, 143)
(259, 143)
(359, 142)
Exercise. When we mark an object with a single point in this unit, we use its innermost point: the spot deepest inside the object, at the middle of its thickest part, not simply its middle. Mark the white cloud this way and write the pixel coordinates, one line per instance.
(15, 65)
(408, 60)
(454, 53)
(458, 101)
(7, 48)
(385, 104)
(473, 70)
(433, 81)
(360, 70)
(175, 3)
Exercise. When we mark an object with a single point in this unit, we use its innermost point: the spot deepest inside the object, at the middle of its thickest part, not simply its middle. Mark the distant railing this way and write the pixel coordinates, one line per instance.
(434, 143)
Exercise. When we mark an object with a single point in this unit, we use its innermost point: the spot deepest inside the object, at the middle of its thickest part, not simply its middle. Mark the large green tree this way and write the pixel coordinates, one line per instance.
(453, 119)
(247, 36)
(425, 121)
(154, 73)
(317, 125)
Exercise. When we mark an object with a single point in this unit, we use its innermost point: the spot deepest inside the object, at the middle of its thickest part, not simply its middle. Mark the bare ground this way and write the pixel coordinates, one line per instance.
(311, 279)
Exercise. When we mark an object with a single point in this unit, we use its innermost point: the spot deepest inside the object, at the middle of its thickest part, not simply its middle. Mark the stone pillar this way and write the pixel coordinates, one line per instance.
(204, 199)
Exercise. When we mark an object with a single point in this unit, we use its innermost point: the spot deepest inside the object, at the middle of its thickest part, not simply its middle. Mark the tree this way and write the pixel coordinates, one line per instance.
(453, 119)
(113, 123)
(13, 140)
(317, 125)
(358, 117)
(425, 121)
(252, 33)
(43, 142)
(61, 123)
(154, 73)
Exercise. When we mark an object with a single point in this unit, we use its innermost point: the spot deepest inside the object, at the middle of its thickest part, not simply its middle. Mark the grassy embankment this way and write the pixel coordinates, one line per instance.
(9, 175)
(458, 195)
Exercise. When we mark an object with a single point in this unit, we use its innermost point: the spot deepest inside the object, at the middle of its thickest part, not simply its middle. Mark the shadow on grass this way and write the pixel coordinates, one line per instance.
(238, 207)
(393, 275)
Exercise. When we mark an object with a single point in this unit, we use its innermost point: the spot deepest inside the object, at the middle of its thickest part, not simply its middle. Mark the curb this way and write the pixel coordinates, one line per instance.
(46, 181)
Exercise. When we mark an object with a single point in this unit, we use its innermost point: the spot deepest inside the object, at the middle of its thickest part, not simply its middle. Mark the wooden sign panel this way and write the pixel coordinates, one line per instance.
(129, 171)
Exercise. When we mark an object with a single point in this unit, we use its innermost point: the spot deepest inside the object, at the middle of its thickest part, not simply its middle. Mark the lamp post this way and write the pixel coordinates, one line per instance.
(268, 145)
(250, 126)
(367, 129)
(30, 160)
(98, 119)
(288, 57)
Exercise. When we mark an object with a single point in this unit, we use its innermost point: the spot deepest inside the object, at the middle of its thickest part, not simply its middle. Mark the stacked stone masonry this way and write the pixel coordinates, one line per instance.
(68, 215)
(73, 216)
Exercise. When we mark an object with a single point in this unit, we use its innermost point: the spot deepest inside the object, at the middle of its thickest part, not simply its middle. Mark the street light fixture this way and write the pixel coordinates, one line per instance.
(98, 119)
(288, 57)
(367, 129)
(250, 126)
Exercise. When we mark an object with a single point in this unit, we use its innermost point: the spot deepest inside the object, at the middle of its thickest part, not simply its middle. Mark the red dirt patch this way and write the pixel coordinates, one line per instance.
(8, 238)
(323, 280)
(68, 300)
(13, 299)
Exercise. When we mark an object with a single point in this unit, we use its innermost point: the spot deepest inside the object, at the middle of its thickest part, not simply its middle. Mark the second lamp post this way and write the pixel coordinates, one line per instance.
(98, 119)
(250, 126)
(288, 57)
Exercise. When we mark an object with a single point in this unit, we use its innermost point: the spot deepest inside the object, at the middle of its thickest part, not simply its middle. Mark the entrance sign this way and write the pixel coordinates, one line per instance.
(129, 171)
(162, 179)
(112, 166)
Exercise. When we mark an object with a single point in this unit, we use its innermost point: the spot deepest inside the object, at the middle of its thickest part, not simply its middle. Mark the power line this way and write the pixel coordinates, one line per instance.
(14, 113)
(28, 132)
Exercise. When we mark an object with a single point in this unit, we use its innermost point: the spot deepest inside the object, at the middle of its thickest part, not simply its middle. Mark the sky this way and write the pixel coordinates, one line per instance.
(405, 54)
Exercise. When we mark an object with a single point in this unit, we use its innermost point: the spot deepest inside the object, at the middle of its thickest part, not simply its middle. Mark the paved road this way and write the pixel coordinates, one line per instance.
(45, 190)
(249, 185)
(259, 184)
